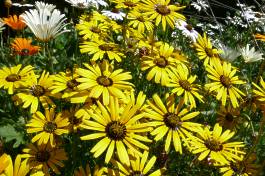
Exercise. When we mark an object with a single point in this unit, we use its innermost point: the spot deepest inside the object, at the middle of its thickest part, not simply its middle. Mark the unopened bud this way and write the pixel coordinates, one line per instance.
(8, 3)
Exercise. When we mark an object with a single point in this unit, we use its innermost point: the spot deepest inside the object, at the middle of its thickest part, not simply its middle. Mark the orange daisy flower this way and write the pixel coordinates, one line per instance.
(23, 47)
(15, 22)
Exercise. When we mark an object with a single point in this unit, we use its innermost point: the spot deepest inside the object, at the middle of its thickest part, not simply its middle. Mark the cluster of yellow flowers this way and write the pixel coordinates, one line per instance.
(104, 103)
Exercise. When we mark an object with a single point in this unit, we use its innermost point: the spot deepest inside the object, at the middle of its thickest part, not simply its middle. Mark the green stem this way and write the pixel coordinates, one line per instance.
(260, 134)
(50, 60)
(75, 158)
(261, 70)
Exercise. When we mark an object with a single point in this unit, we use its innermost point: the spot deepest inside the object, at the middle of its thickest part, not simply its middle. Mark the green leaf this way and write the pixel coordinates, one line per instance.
(9, 133)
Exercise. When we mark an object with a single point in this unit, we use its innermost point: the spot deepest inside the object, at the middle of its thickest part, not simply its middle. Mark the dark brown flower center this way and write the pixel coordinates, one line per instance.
(50, 127)
(209, 52)
(37, 90)
(13, 78)
(140, 18)
(104, 81)
(72, 84)
(185, 85)
(115, 10)
(81, 5)
(116, 130)
(189, 27)
(106, 47)
(143, 51)
(42, 156)
(172, 121)
(162, 9)
(137, 173)
(129, 4)
(226, 82)
(95, 29)
(238, 168)
(229, 117)
(74, 120)
(161, 62)
(213, 145)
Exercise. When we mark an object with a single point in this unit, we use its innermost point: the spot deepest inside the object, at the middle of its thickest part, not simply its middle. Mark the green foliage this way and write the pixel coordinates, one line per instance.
(11, 135)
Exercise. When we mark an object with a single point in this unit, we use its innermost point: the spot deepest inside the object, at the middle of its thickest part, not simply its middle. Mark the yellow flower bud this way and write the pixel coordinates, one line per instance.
(8, 3)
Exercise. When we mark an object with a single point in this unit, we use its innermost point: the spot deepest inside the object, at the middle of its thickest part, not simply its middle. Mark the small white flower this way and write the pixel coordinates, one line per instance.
(87, 3)
(82, 4)
(200, 5)
(114, 14)
(45, 22)
(250, 55)
(187, 30)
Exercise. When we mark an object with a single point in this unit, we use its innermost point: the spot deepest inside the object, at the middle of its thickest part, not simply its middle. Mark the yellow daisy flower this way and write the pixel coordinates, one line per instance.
(139, 166)
(130, 4)
(20, 168)
(95, 15)
(104, 82)
(229, 118)
(160, 64)
(117, 130)
(38, 90)
(241, 168)
(82, 97)
(74, 120)
(172, 121)
(260, 91)
(87, 172)
(214, 145)
(205, 50)
(140, 21)
(223, 80)
(5, 162)
(183, 84)
(101, 49)
(88, 105)
(138, 100)
(15, 77)
(44, 158)
(161, 11)
(93, 29)
(65, 83)
(47, 126)
(151, 43)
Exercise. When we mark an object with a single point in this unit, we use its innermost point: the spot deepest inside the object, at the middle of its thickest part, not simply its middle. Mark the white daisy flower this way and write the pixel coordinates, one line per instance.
(187, 30)
(41, 6)
(228, 53)
(45, 21)
(115, 14)
(250, 54)
(87, 3)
